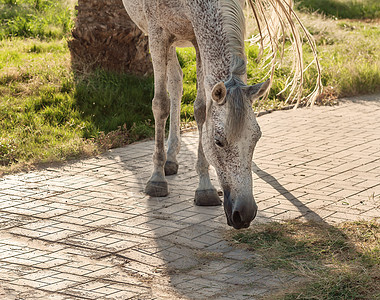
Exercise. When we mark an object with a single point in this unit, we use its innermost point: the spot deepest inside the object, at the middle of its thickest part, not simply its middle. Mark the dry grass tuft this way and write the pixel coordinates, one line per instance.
(341, 262)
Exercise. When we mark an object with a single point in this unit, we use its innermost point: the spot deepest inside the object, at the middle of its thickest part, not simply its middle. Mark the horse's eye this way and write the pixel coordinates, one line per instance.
(219, 143)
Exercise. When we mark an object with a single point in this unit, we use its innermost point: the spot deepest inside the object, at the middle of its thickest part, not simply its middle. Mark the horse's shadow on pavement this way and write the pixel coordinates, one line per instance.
(305, 211)
(187, 242)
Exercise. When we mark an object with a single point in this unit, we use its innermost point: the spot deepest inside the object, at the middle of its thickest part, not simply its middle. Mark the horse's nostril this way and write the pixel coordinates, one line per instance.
(236, 219)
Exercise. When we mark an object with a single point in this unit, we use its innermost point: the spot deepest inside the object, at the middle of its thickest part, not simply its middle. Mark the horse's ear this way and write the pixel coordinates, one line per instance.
(219, 92)
(256, 91)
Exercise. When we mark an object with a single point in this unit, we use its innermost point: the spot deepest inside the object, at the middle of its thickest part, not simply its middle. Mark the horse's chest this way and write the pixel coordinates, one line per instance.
(135, 10)
(172, 17)
(180, 27)
(168, 14)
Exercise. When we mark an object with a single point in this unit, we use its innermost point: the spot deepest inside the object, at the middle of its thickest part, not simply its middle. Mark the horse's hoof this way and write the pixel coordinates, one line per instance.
(207, 198)
(171, 168)
(157, 188)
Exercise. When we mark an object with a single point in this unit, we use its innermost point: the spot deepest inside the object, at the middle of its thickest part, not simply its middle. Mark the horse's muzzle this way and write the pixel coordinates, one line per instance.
(239, 212)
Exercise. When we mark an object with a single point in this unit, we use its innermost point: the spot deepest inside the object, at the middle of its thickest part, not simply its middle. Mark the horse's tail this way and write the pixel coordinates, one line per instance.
(277, 22)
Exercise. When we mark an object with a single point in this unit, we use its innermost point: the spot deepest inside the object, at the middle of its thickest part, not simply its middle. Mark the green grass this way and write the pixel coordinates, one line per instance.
(111, 100)
(338, 262)
(35, 18)
(48, 113)
(342, 9)
(38, 117)
(349, 54)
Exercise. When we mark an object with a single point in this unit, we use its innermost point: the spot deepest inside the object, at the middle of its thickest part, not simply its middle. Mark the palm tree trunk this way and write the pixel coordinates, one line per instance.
(105, 37)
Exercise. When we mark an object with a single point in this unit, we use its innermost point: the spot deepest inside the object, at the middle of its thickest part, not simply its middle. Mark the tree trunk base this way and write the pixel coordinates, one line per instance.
(105, 37)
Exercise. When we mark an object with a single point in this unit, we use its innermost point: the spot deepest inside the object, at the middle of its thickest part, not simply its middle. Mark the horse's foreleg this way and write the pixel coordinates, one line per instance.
(157, 185)
(205, 194)
(175, 92)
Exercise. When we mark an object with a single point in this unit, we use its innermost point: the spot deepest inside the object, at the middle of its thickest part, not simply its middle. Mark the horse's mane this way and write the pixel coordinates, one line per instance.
(276, 23)
(234, 26)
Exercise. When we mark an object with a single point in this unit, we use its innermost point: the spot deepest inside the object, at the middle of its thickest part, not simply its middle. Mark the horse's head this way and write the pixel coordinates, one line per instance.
(229, 138)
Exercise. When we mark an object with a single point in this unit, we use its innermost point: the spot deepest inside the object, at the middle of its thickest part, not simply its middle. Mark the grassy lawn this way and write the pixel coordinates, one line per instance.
(332, 262)
(349, 9)
(47, 114)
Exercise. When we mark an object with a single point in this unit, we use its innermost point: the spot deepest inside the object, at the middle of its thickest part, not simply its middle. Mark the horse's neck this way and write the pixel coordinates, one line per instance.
(211, 38)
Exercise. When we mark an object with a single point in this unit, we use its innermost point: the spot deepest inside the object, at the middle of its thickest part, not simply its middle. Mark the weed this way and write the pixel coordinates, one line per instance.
(113, 139)
(7, 151)
(209, 255)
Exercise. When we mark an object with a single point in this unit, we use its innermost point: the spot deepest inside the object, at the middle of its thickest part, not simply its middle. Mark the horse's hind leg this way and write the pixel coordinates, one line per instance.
(205, 194)
(175, 93)
(157, 185)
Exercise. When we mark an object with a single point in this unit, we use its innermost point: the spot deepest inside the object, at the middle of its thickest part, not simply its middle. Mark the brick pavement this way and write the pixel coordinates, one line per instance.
(85, 230)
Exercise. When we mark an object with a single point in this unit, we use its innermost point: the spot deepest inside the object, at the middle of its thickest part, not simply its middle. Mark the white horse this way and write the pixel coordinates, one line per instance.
(228, 130)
